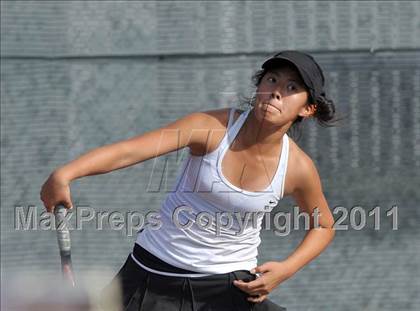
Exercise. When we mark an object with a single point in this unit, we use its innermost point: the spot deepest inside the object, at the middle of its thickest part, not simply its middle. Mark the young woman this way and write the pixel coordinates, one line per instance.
(240, 162)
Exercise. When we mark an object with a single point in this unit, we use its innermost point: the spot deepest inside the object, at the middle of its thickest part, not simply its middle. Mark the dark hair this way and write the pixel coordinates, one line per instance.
(325, 107)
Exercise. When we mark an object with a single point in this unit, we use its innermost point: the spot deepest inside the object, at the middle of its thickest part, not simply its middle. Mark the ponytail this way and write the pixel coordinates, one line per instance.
(325, 111)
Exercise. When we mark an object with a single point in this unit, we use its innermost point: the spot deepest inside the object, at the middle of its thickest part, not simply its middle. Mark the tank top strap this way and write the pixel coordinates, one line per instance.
(231, 114)
(280, 176)
(234, 129)
(284, 161)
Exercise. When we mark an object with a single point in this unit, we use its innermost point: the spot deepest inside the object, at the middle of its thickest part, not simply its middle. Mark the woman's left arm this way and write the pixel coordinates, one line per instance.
(309, 196)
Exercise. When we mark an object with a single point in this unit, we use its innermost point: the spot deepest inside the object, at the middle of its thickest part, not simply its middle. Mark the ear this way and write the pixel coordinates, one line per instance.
(307, 111)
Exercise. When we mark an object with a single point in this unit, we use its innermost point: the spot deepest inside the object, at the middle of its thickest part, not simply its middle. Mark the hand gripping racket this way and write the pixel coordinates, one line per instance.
(63, 237)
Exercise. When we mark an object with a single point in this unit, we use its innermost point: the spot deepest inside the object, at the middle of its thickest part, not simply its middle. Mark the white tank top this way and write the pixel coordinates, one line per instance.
(215, 246)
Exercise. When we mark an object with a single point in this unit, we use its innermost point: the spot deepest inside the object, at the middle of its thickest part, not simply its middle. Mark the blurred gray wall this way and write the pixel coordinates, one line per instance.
(77, 75)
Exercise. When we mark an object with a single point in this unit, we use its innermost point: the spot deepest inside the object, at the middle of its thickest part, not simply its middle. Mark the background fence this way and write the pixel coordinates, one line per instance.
(76, 75)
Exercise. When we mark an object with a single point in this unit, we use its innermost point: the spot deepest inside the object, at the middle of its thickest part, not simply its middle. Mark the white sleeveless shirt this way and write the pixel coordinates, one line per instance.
(217, 244)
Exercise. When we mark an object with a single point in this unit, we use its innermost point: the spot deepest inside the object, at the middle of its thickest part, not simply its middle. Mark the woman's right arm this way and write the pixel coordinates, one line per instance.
(176, 135)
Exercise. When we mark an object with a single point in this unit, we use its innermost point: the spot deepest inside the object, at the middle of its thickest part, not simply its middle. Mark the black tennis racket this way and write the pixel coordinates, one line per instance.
(63, 237)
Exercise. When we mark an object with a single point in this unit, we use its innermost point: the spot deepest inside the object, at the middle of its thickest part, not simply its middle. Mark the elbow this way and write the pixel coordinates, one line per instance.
(331, 231)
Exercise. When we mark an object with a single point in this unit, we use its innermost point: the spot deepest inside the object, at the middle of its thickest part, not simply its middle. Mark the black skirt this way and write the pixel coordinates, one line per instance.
(146, 291)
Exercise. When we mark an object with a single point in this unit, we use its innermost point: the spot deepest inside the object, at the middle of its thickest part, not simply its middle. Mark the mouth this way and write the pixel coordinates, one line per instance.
(268, 106)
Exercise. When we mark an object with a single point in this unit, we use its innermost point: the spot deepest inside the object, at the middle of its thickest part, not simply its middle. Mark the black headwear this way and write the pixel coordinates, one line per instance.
(306, 65)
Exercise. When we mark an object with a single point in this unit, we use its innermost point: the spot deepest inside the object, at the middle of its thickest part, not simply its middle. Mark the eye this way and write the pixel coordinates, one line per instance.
(271, 79)
(291, 87)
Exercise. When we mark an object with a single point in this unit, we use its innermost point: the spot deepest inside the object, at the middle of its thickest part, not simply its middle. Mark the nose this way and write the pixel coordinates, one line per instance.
(276, 95)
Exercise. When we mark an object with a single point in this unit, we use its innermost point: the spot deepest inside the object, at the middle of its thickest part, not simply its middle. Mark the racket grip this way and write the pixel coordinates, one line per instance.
(63, 233)
(64, 245)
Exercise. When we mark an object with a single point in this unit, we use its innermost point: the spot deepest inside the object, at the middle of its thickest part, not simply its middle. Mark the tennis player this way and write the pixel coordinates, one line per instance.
(240, 164)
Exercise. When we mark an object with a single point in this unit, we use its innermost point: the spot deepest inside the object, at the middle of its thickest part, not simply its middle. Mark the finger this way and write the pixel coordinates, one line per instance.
(260, 269)
(49, 207)
(258, 299)
(243, 286)
(249, 287)
(68, 205)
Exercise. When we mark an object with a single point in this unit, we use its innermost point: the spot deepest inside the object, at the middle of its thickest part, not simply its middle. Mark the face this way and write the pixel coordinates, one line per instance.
(281, 97)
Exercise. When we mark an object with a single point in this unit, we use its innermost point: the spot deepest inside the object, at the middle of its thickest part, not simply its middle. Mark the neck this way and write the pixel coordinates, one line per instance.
(258, 132)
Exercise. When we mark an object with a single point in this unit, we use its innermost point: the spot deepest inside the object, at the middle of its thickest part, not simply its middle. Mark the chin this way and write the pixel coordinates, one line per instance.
(262, 112)
(269, 118)
(264, 116)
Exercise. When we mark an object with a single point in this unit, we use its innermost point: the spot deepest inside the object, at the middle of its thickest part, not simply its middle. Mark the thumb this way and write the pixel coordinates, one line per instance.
(260, 269)
(255, 270)
(68, 204)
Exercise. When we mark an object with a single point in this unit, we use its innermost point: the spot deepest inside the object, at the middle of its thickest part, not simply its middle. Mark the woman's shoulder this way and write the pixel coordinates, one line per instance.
(216, 118)
(212, 125)
(302, 168)
(299, 157)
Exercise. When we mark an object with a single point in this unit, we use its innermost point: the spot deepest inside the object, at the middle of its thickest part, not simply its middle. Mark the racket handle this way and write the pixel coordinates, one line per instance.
(63, 233)
(63, 238)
